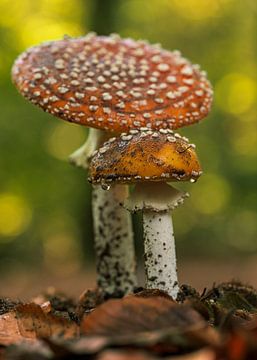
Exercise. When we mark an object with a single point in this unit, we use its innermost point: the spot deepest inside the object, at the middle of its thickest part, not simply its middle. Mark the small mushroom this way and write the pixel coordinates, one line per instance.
(151, 159)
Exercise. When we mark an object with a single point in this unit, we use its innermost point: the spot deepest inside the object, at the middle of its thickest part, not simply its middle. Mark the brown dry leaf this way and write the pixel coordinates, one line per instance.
(134, 314)
(28, 350)
(125, 355)
(29, 321)
(236, 347)
(241, 341)
(100, 349)
(153, 323)
(205, 354)
(252, 326)
(79, 346)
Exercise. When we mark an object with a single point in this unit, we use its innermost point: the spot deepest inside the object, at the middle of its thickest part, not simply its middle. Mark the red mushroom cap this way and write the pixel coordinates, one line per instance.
(113, 84)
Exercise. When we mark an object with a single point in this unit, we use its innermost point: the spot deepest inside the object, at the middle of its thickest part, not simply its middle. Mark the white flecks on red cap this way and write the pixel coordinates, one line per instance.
(117, 84)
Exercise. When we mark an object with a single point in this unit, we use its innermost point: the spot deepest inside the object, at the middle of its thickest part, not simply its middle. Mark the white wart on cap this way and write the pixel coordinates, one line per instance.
(146, 155)
(113, 84)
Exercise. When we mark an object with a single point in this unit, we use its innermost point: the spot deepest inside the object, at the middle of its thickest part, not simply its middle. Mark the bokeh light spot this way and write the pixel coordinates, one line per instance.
(211, 194)
(245, 140)
(61, 249)
(61, 246)
(15, 215)
(236, 93)
(199, 9)
(63, 139)
(37, 30)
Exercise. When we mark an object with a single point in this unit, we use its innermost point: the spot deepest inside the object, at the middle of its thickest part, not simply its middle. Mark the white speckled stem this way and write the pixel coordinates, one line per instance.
(114, 246)
(115, 254)
(160, 254)
(81, 156)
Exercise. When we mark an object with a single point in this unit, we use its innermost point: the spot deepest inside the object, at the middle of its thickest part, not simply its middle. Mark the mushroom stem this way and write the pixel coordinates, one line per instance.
(115, 254)
(156, 200)
(81, 156)
(160, 254)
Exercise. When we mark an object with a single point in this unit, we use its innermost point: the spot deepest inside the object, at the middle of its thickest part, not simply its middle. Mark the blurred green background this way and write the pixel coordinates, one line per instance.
(45, 219)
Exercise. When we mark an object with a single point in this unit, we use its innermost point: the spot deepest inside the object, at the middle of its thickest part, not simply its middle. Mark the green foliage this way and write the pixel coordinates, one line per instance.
(45, 203)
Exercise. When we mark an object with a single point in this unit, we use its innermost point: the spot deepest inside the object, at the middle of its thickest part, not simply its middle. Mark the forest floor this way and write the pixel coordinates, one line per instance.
(199, 274)
(214, 318)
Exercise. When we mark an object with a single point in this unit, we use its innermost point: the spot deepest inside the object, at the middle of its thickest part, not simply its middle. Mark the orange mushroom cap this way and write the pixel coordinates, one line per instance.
(145, 155)
(113, 84)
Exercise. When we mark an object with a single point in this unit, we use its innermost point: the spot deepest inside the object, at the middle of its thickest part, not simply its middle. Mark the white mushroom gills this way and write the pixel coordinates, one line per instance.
(114, 247)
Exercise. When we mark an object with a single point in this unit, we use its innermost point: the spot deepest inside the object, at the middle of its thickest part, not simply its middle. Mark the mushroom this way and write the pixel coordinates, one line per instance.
(150, 159)
(112, 85)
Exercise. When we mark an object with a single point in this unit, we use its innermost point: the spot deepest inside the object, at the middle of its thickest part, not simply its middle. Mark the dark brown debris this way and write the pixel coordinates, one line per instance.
(219, 324)
(30, 321)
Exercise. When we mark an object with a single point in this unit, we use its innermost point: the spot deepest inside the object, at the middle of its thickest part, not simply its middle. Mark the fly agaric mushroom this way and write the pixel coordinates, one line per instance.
(150, 159)
(112, 85)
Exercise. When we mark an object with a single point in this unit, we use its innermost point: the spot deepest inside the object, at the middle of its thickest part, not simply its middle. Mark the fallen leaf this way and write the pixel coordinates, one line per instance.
(27, 350)
(57, 303)
(134, 314)
(77, 347)
(29, 321)
(154, 323)
(124, 355)
(236, 347)
(205, 354)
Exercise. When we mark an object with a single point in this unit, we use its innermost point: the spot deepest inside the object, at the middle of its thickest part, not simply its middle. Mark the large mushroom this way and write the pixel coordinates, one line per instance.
(150, 159)
(112, 85)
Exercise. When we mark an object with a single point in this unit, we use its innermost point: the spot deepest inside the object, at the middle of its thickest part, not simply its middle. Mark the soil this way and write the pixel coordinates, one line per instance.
(219, 323)
(199, 273)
